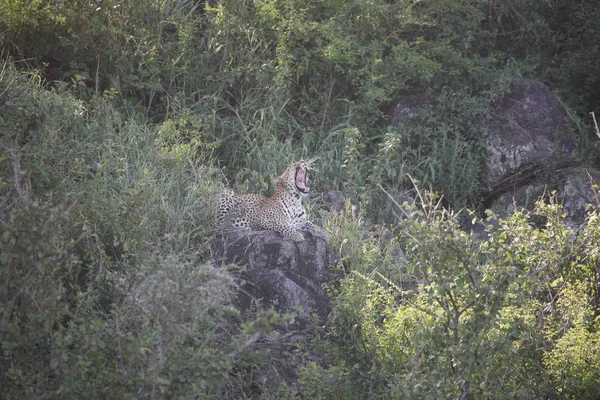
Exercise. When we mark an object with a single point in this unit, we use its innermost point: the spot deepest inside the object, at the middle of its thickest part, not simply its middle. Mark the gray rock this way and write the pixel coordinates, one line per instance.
(529, 126)
(397, 205)
(277, 271)
(577, 191)
(520, 198)
(574, 186)
(482, 230)
(407, 108)
(334, 201)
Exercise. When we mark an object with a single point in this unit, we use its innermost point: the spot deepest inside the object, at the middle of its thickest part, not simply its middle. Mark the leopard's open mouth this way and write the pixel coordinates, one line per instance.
(302, 178)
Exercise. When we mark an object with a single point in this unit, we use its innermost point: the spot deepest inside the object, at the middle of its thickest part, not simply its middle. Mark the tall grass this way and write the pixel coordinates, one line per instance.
(104, 229)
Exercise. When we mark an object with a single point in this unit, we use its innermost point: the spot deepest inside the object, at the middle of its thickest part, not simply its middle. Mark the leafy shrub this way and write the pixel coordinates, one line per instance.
(108, 178)
(469, 317)
(147, 52)
(332, 71)
(42, 288)
(317, 78)
(573, 360)
(530, 30)
(105, 225)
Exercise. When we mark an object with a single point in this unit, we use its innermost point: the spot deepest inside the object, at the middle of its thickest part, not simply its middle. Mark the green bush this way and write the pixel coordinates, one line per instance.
(318, 78)
(468, 318)
(104, 231)
(575, 354)
(539, 32)
(329, 74)
(124, 119)
(42, 288)
(149, 53)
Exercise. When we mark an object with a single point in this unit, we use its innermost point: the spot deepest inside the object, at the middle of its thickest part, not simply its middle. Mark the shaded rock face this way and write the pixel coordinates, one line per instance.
(574, 186)
(394, 208)
(529, 126)
(334, 201)
(407, 108)
(577, 191)
(277, 271)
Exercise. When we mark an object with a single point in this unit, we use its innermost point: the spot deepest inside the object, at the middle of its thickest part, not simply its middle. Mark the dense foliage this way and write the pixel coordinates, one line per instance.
(120, 122)
(514, 316)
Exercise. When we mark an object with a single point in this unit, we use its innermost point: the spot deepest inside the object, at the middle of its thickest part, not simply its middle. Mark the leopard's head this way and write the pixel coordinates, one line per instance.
(294, 179)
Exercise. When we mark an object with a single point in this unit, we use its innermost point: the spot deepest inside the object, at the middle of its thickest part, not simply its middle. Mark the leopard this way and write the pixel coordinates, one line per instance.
(283, 212)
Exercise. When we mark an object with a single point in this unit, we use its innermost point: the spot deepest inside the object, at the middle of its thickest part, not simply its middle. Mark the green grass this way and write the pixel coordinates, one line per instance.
(121, 122)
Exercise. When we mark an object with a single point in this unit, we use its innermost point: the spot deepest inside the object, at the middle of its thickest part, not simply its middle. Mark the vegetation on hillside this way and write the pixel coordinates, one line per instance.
(121, 121)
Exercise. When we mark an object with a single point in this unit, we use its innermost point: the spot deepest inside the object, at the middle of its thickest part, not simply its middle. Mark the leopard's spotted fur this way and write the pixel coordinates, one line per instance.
(283, 212)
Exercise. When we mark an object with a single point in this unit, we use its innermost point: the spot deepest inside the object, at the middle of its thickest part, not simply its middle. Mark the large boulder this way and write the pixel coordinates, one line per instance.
(529, 126)
(409, 106)
(574, 190)
(277, 271)
(334, 201)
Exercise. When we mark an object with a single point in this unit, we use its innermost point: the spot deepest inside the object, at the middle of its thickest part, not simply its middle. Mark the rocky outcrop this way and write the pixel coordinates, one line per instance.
(277, 271)
(409, 106)
(573, 186)
(529, 126)
(397, 205)
(334, 201)
(531, 151)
